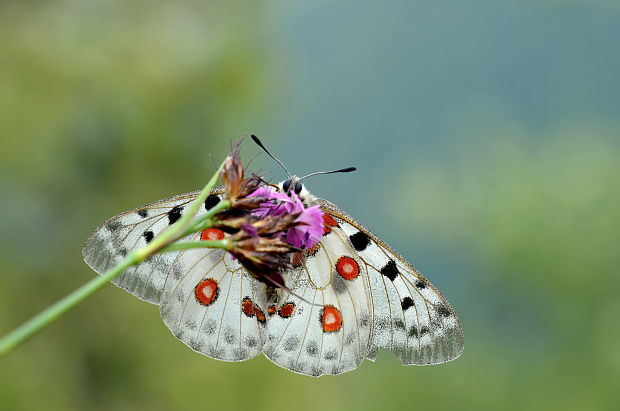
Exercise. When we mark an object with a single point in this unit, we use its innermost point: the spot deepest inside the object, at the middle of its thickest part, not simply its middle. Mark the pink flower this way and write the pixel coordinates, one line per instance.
(309, 222)
(310, 229)
(274, 203)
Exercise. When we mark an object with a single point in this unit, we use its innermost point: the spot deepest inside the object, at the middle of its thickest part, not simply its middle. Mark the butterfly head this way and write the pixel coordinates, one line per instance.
(294, 185)
(291, 185)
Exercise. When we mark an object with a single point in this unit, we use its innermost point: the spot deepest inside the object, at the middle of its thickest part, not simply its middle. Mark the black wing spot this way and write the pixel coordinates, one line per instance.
(420, 284)
(407, 303)
(143, 213)
(390, 270)
(174, 214)
(444, 311)
(148, 236)
(211, 201)
(360, 241)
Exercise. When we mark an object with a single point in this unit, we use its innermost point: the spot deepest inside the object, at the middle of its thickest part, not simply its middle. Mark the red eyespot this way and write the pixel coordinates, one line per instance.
(260, 315)
(328, 222)
(211, 234)
(347, 268)
(331, 319)
(271, 310)
(313, 250)
(247, 307)
(297, 259)
(286, 310)
(206, 291)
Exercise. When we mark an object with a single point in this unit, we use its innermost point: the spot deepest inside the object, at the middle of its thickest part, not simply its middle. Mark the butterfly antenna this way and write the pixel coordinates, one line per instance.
(267, 183)
(257, 141)
(343, 170)
(251, 161)
(213, 162)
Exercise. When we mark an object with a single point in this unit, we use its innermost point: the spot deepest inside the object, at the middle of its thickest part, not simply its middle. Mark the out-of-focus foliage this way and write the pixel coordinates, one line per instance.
(487, 141)
(538, 230)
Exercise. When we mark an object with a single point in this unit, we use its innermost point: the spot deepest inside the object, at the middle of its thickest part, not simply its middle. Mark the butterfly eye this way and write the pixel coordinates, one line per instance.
(286, 186)
(298, 187)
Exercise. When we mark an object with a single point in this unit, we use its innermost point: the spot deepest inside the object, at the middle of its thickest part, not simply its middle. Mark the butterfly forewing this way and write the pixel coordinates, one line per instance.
(122, 234)
(409, 316)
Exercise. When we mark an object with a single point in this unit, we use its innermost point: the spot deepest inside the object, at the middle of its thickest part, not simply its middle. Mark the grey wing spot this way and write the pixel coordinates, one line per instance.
(312, 348)
(339, 284)
(113, 226)
(209, 327)
(291, 343)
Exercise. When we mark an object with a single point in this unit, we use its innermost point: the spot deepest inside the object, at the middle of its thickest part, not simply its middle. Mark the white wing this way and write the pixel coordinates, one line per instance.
(206, 299)
(130, 230)
(408, 315)
(329, 332)
(214, 306)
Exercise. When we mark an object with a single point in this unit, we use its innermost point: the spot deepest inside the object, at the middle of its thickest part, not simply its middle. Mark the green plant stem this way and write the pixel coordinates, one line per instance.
(163, 242)
(206, 220)
(226, 244)
(31, 327)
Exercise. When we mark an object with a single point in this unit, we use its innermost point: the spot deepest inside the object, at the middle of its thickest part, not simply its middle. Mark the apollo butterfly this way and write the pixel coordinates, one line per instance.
(348, 296)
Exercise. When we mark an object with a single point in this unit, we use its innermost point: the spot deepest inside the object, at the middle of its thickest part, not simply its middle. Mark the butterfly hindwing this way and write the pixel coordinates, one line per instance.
(409, 316)
(323, 327)
(122, 234)
(214, 306)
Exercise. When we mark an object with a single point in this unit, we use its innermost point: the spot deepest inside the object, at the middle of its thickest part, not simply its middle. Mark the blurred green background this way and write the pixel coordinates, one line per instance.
(487, 138)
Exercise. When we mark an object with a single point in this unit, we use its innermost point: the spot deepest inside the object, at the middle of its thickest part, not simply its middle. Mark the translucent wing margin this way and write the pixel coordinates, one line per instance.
(122, 234)
(408, 315)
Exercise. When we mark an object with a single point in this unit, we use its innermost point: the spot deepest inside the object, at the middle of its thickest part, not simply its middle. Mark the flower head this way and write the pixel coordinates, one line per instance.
(260, 248)
(237, 186)
(264, 226)
(309, 229)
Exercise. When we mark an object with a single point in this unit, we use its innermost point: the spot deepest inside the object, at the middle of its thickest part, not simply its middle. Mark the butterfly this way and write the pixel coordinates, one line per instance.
(344, 298)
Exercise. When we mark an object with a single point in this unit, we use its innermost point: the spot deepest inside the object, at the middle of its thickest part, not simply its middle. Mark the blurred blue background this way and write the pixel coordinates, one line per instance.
(487, 140)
